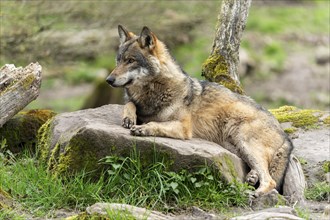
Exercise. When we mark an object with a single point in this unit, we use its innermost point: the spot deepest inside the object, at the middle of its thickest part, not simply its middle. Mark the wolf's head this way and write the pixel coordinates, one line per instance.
(137, 58)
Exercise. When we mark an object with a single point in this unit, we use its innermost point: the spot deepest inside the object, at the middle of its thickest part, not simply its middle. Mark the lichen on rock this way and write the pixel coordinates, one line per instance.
(300, 118)
(43, 138)
(326, 120)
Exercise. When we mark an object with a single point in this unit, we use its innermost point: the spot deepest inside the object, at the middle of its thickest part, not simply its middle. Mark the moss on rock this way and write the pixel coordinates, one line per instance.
(22, 129)
(231, 167)
(299, 118)
(215, 69)
(326, 166)
(64, 158)
(290, 130)
(78, 155)
(43, 138)
(326, 121)
(27, 82)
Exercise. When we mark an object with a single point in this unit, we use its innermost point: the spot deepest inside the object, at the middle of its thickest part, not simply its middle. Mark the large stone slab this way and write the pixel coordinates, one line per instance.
(76, 140)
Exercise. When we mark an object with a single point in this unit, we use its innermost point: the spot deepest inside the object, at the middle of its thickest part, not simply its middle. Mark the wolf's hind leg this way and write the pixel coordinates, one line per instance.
(172, 129)
(255, 156)
(129, 115)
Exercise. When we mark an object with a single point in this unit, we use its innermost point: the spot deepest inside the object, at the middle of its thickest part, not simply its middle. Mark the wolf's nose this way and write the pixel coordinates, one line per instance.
(110, 80)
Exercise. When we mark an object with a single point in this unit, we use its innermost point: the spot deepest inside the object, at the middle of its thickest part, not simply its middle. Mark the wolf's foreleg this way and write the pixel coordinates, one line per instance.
(129, 116)
(179, 129)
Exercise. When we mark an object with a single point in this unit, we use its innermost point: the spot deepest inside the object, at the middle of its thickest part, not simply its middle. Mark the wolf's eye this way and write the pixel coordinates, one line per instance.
(130, 60)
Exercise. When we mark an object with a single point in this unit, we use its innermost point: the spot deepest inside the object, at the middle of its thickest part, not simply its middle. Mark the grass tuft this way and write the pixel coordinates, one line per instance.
(125, 180)
(156, 187)
(320, 191)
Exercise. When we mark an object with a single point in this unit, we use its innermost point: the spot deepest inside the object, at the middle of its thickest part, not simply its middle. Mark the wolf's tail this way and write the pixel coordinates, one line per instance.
(279, 164)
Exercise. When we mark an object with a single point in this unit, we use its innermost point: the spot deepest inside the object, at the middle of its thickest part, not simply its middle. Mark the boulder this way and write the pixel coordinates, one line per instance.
(76, 140)
(73, 141)
(21, 130)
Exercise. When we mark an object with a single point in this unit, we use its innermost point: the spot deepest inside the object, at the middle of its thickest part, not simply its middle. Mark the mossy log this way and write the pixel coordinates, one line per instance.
(294, 182)
(222, 64)
(18, 87)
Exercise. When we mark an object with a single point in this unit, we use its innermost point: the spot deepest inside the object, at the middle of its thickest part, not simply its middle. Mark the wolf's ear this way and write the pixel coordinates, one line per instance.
(147, 38)
(124, 35)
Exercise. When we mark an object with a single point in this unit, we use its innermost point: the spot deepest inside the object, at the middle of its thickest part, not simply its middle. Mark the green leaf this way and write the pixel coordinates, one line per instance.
(127, 176)
(116, 165)
(202, 170)
(111, 172)
(174, 185)
(210, 177)
(198, 184)
(193, 179)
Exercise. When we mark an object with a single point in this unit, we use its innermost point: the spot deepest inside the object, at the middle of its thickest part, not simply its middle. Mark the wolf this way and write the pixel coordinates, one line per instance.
(163, 100)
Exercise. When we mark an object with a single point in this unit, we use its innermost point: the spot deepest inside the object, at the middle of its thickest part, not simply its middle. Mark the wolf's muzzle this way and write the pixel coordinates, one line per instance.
(110, 80)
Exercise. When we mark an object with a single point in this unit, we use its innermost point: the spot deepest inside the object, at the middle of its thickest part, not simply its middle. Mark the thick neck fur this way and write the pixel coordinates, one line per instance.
(160, 89)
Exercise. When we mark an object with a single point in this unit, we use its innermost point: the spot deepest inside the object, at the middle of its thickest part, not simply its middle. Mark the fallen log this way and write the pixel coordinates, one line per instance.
(294, 182)
(18, 87)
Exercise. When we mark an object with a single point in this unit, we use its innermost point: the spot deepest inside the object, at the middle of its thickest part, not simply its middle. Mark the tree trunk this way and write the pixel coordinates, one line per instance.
(18, 87)
(221, 66)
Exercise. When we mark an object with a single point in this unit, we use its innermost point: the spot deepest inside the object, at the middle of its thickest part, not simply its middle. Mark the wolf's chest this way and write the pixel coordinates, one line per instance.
(151, 103)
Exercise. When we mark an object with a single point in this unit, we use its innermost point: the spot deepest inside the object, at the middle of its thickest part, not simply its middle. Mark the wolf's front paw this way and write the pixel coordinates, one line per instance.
(252, 178)
(128, 122)
(140, 130)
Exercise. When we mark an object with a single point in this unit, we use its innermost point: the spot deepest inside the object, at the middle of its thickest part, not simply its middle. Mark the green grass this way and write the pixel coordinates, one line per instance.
(274, 54)
(308, 18)
(10, 215)
(88, 72)
(126, 180)
(39, 192)
(155, 186)
(191, 56)
(320, 191)
(82, 73)
(59, 105)
(122, 214)
(303, 213)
